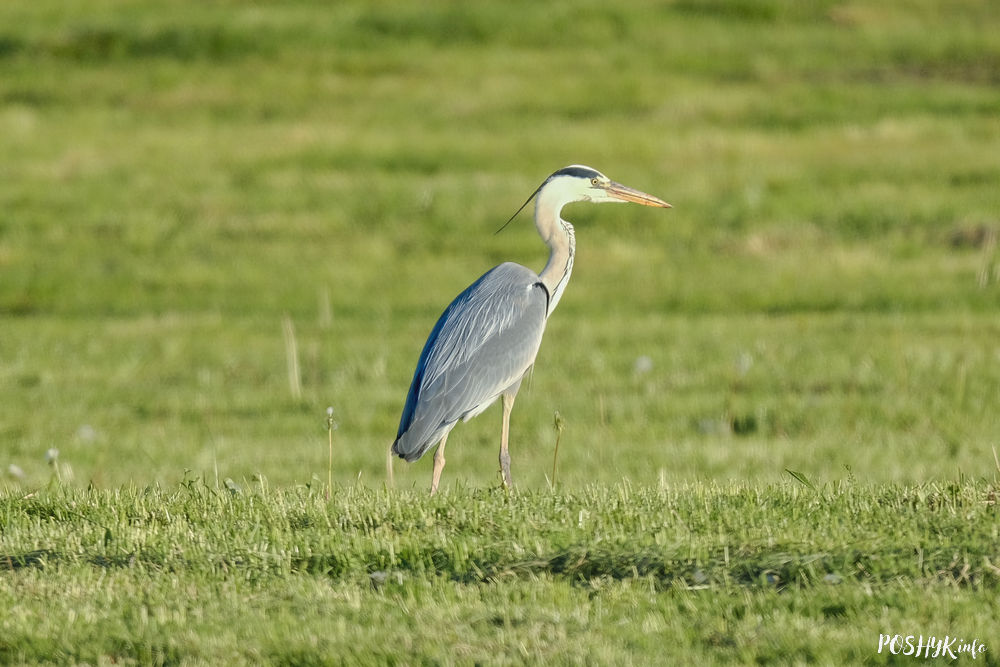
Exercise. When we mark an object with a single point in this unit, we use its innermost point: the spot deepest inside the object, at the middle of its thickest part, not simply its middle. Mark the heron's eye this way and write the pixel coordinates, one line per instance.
(594, 182)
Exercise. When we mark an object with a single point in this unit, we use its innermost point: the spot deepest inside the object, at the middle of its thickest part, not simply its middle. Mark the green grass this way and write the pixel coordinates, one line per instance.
(176, 180)
(605, 574)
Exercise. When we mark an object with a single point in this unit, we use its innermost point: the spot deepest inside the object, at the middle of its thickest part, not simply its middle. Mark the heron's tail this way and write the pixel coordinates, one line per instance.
(415, 441)
(401, 453)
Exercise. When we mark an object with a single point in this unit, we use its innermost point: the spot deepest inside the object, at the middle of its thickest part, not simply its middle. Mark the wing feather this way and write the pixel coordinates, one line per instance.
(482, 344)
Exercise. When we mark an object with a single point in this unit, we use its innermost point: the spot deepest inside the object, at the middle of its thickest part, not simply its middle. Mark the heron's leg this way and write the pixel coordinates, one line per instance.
(438, 464)
(508, 405)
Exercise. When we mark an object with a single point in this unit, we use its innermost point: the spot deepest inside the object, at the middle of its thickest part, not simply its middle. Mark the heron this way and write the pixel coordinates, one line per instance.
(486, 340)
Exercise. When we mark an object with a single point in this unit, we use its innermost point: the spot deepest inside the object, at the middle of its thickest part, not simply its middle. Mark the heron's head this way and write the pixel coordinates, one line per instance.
(580, 183)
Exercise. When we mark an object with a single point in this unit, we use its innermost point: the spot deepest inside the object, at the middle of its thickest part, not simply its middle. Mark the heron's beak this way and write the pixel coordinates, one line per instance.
(625, 193)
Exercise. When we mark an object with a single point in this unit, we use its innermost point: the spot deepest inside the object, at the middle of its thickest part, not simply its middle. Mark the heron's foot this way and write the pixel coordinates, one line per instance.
(506, 479)
(506, 488)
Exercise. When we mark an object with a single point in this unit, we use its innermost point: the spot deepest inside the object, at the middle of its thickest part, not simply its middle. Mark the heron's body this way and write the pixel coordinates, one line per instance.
(487, 339)
(480, 347)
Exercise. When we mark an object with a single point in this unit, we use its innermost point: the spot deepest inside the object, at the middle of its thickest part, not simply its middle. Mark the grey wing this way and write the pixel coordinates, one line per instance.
(482, 344)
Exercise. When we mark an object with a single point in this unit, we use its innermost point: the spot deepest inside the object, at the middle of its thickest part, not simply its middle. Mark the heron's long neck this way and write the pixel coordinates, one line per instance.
(558, 235)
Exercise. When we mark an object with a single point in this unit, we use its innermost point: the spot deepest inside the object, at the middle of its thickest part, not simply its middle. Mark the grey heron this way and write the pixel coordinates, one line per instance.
(486, 340)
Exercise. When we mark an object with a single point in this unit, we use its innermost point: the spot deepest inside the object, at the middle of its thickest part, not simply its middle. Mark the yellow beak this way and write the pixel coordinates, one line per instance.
(625, 193)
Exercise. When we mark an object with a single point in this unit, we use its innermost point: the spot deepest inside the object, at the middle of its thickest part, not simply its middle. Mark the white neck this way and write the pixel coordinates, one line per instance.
(558, 235)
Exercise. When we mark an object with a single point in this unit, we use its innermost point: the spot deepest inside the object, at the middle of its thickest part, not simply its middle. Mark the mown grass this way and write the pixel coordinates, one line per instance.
(609, 573)
(179, 180)
(175, 183)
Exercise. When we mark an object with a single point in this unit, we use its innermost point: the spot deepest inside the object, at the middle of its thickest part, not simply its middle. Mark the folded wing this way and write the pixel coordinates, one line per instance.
(482, 344)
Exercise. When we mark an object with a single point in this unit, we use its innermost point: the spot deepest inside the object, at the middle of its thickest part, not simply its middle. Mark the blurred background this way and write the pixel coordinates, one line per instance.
(219, 218)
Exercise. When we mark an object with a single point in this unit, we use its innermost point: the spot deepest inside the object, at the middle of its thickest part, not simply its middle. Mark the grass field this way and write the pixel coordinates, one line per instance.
(602, 575)
(181, 184)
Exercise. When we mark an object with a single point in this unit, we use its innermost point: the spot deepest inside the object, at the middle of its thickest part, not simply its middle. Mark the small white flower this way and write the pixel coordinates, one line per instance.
(51, 456)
